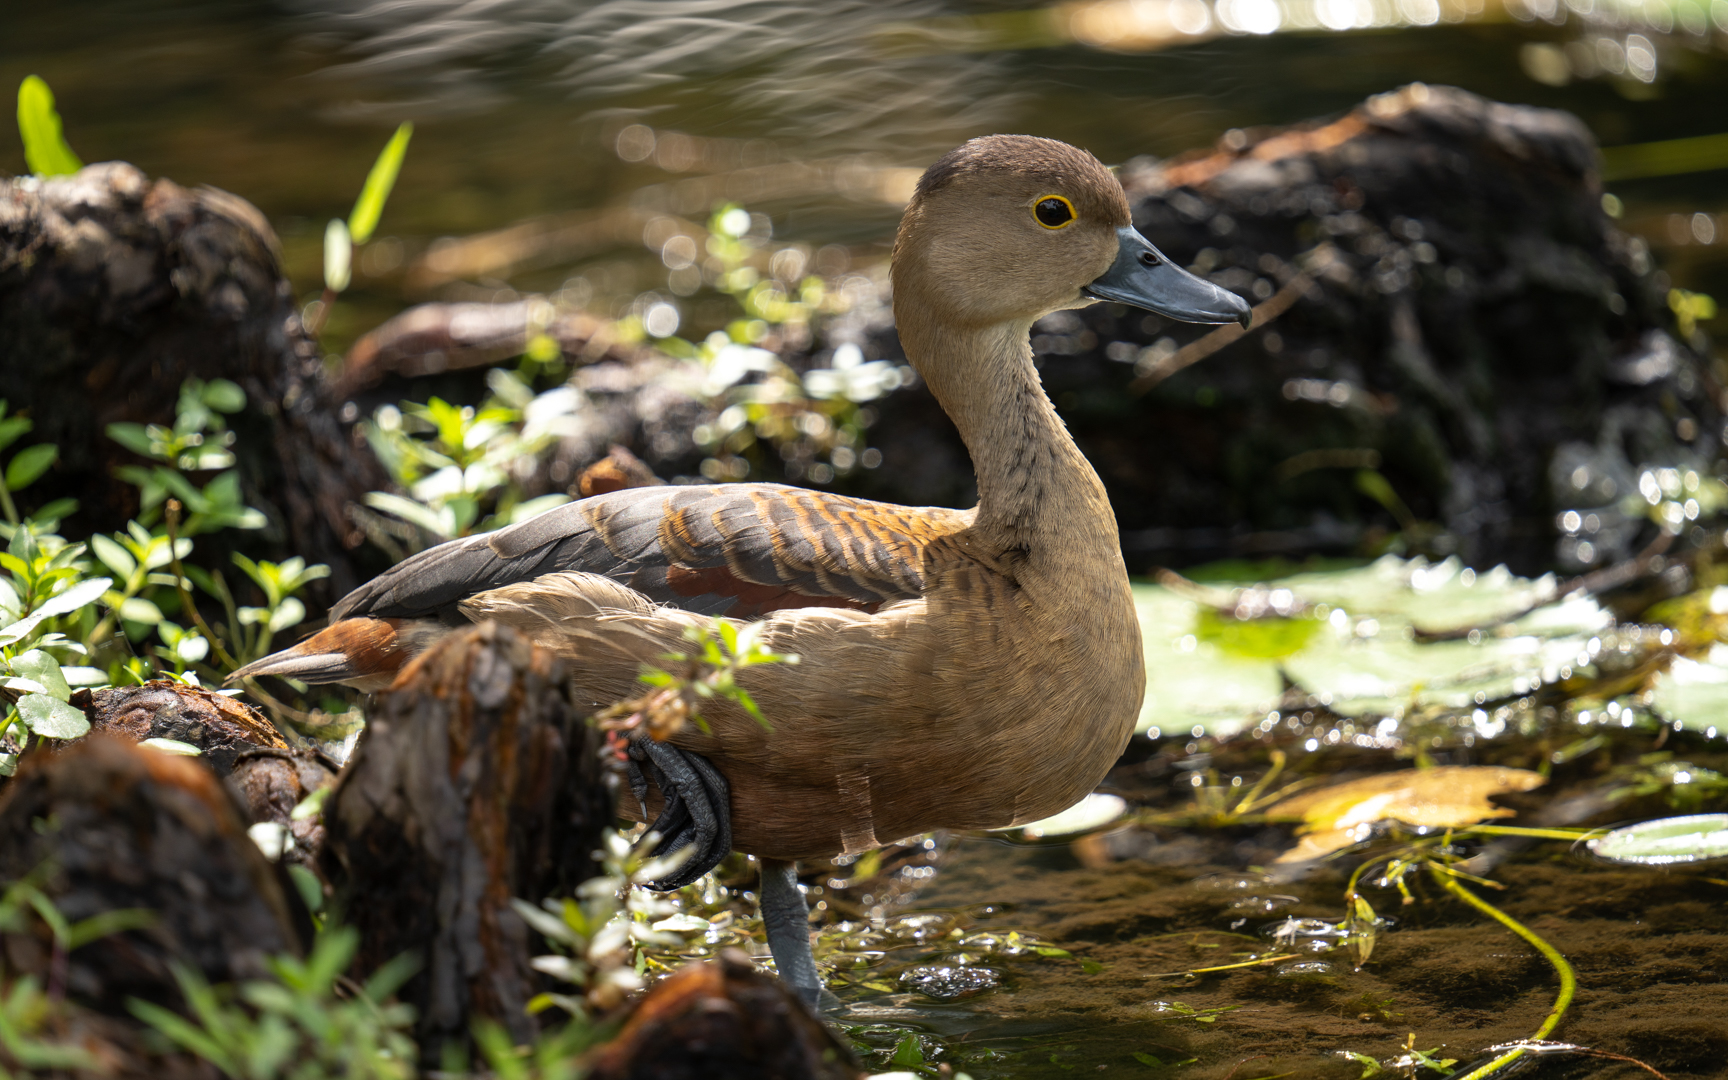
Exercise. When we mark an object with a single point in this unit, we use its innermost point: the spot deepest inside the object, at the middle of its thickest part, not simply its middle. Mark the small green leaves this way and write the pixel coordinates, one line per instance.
(370, 205)
(29, 464)
(45, 149)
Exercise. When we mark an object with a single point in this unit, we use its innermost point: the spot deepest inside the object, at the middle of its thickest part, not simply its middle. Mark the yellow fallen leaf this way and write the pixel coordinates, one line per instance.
(1448, 796)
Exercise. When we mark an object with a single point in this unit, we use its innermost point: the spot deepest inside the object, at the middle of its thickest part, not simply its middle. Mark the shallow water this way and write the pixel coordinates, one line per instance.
(521, 104)
(521, 107)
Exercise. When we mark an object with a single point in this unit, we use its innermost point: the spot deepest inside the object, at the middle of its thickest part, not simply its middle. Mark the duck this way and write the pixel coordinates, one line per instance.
(959, 669)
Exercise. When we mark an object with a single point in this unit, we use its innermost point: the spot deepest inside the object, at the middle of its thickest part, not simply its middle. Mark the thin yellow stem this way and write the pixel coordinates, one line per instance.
(1448, 880)
(1222, 967)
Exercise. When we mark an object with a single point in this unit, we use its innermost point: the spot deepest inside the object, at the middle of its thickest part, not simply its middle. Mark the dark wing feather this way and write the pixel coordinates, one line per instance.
(734, 549)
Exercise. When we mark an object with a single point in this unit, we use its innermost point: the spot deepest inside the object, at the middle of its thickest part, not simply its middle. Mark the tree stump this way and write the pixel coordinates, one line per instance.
(477, 781)
(220, 726)
(113, 290)
(107, 825)
(719, 1021)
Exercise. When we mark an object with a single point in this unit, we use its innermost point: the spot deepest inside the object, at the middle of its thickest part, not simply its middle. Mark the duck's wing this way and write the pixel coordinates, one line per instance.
(739, 550)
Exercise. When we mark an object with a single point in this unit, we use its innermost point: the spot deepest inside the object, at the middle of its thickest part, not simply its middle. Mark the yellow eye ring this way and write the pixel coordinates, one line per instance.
(1053, 212)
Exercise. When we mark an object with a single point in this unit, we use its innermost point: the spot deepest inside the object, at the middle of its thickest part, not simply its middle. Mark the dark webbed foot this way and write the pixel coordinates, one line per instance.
(786, 918)
(696, 810)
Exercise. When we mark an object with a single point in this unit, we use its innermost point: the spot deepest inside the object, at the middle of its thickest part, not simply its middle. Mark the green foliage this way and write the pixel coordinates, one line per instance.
(1681, 784)
(370, 205)
(30, 1017)
(25, 468)
(198, 441)
(712, 670)
(340, 237)
(45, 149)
(458, 463)
(297, 1026)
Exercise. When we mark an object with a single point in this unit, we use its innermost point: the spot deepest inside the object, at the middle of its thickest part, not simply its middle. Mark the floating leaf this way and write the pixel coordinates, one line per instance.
(1450, 796)
(1693, 838)
(1094, 811)
(45, 149)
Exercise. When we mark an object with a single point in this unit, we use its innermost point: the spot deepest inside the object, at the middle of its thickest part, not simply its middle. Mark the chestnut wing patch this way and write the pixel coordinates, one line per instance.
(740, 550)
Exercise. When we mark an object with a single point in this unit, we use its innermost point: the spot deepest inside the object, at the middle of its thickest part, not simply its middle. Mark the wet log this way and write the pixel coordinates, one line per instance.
(113, 290)
(434, 338)
(105, 826)
(271, 782)
(477, 781)
(723, 1019)
(222, 727)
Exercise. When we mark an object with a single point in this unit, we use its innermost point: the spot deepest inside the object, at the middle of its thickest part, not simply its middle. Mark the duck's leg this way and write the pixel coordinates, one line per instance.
(787, 919)
(696, 807)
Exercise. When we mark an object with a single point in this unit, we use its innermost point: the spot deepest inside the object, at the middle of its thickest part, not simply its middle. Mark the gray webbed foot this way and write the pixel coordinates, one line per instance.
(696, 809)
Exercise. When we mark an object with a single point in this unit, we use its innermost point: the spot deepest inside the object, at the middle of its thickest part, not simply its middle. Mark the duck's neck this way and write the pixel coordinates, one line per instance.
(1036, 492)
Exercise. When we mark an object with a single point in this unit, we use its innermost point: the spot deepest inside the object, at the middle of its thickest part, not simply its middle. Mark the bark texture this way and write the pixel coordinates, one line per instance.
(113, 290)
(477, 781)
(107, 825)
(221, 726)
(723, 1021)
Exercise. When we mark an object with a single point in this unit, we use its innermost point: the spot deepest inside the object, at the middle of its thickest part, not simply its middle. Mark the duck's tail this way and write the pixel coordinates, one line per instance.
(363, 653)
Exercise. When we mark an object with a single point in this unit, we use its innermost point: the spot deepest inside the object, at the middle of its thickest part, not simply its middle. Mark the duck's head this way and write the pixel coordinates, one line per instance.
(1010, 227)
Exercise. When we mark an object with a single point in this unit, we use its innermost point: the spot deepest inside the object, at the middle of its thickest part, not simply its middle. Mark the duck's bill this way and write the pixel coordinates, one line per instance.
(1143, 277)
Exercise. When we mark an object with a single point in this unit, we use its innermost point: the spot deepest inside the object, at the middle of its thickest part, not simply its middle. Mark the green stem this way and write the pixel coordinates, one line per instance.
(1568, 980)
(6, 506)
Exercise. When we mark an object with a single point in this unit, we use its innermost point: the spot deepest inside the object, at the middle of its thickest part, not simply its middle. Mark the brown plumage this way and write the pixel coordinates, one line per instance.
(961, 669)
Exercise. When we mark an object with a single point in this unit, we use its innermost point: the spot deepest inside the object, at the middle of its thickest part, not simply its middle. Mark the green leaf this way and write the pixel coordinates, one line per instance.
(223, 396)
(51, 717)
(338, 256)
(1666, 841)
(908, 1052)
(113, 556)
(54, 511)
(30, 463)
(134, 437)
(44, 670)
(12, 430)
(45, 149)
(370, 205)
(139, 610)
(1091, 967)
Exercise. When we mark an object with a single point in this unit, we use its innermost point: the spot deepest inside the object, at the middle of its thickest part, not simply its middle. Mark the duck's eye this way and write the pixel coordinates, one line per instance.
(1053, 211)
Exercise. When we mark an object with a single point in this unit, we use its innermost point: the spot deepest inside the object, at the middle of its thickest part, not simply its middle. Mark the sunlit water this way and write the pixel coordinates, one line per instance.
(537, 107)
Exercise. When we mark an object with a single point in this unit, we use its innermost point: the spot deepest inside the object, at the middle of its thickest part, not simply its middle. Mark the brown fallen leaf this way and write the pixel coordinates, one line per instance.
(1448, 796)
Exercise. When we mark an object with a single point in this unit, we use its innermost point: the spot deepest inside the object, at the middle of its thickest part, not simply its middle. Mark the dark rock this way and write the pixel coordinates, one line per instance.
(723, 1021)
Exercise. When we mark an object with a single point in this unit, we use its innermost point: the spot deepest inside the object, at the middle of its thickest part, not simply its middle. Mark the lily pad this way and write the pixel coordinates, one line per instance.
(1666, 841)
(1357, 649)
(1094, 811)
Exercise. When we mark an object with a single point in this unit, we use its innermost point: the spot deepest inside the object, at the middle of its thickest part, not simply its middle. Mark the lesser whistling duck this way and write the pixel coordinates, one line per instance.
(961, 669)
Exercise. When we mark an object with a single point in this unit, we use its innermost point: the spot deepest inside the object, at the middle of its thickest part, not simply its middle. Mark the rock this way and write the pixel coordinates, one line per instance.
(724, 1019)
